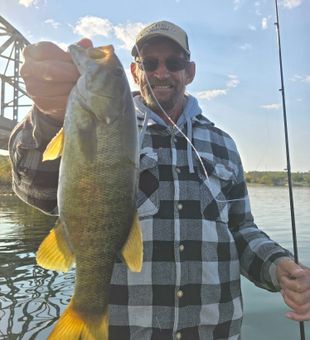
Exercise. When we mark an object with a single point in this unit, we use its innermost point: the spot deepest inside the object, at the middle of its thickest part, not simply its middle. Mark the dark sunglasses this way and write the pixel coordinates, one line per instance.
(173, 64)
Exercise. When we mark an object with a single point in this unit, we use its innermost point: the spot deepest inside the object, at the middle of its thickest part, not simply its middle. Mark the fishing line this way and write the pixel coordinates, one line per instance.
(181, 132)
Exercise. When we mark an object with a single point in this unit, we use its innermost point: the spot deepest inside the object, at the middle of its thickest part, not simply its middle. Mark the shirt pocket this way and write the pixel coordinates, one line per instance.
(147, 196)
(214, 190)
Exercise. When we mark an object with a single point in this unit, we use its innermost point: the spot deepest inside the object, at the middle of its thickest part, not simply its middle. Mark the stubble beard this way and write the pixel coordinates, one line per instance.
(158, 105)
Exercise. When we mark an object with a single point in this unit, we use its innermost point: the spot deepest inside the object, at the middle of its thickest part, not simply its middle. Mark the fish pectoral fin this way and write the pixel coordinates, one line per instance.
(132, 251)
(54, 252)
(73, 325)
(55, 147)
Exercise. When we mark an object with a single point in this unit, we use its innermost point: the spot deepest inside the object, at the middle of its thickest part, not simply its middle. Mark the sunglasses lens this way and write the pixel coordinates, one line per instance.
(173, 64)
(176, 64)
(149, 64)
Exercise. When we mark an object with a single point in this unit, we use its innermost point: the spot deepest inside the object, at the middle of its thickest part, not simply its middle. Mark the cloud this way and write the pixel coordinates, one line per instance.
(236, 4)
(90, 26)
(127, 33)
(264, 23)
(257, 6)
(53, 23)
(210, 94)
(252, 27)
(271, 106)
(27, 3)
(299, 78)
(231, 83)
(291, 3)
(246, 46)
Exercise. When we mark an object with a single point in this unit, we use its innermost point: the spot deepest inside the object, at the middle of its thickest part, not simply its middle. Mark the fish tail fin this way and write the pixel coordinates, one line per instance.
(132, 251)
(55, 147)
(73, 326)
(54, 252)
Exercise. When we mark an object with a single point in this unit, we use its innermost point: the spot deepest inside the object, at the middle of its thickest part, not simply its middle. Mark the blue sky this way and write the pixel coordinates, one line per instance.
(234, 45)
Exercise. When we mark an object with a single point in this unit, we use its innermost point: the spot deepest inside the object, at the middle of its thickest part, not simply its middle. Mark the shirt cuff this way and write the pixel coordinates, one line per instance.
(44, 128)
(273, 270)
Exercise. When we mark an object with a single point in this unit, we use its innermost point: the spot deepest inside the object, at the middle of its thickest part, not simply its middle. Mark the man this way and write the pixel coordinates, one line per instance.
(197, 226)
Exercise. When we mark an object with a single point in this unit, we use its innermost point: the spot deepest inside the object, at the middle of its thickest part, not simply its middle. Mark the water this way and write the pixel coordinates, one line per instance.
(264, 311)
(32, 298)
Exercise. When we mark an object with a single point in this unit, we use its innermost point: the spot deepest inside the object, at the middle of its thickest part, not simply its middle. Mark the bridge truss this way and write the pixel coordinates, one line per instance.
(13, 95)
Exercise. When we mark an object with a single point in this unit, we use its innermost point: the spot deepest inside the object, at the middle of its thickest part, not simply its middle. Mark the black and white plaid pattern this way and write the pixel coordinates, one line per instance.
(198, 234)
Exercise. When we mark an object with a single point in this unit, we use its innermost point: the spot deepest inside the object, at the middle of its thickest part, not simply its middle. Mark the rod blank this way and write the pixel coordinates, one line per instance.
(289, 175)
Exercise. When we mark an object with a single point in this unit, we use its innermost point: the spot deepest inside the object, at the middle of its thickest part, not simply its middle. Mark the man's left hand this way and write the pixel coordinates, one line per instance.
(294, 280)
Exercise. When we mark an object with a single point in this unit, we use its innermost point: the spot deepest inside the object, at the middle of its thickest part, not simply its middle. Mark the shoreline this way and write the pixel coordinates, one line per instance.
(6, 188)
(253, 178)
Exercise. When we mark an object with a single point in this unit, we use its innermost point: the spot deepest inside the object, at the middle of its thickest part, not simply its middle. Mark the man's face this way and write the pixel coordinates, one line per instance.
(168, 86)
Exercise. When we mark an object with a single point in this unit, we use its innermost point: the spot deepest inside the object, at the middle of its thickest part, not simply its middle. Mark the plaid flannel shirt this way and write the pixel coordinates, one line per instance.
(198, 232)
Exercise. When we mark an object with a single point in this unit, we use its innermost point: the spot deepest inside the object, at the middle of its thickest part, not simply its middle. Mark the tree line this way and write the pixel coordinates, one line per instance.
(272, 178)
(277, 178)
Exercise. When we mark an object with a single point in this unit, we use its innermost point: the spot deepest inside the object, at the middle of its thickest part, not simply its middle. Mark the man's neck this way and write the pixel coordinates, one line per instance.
(173, 114)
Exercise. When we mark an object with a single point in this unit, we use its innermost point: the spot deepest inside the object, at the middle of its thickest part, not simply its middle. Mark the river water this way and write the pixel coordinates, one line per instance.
(32, 298)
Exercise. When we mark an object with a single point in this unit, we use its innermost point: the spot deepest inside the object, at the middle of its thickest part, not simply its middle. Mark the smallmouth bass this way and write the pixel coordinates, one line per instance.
(96, 193)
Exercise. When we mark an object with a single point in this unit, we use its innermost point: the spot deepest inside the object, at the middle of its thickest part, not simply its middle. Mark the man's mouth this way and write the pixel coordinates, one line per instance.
(161, 87)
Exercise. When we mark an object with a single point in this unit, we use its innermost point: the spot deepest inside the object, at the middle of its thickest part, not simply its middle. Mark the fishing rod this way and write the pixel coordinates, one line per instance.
(288, 168)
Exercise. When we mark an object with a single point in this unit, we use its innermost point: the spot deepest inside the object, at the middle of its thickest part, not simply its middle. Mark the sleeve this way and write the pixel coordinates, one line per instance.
(34, 181)
(258, 254)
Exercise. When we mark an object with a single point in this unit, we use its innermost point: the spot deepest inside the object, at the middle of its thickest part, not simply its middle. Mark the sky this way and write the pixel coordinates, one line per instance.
(234, 45)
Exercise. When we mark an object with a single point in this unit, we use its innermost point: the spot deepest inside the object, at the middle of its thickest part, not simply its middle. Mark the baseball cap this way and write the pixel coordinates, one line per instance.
(162, 29)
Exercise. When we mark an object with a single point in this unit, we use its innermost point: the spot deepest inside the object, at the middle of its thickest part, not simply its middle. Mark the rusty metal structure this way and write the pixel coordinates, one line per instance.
(13, 96)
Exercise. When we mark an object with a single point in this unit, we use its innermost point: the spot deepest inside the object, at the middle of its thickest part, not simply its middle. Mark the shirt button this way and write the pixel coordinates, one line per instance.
(180, 206)
(181, 248)
(178, 336)
(180, 293)
(178, 170)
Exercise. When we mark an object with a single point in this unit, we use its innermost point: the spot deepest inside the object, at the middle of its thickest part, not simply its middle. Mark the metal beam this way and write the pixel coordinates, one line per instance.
(12, 88)
(13, 95)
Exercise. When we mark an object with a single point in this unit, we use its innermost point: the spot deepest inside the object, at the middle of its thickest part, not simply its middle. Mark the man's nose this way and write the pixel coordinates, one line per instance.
(162, 72)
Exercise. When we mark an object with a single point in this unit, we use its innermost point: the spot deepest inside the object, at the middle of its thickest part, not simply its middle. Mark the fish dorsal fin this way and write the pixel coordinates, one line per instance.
(54, 252)
(55, 147)
(132, 251)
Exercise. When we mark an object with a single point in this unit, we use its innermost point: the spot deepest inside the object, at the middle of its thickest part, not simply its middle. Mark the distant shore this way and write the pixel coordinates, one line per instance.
(267, 178)
(277, 178)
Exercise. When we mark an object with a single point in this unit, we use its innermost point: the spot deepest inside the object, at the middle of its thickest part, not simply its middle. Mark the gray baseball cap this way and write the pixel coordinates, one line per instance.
(162, 29)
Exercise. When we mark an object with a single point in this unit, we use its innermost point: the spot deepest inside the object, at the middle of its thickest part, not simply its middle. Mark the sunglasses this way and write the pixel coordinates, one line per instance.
(173, 64)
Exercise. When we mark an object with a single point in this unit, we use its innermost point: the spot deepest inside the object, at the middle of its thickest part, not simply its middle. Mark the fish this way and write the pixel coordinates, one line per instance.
(98, 176)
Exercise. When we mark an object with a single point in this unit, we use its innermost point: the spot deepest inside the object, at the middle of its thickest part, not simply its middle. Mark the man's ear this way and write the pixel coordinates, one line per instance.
(190, 72)
(133, 69)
